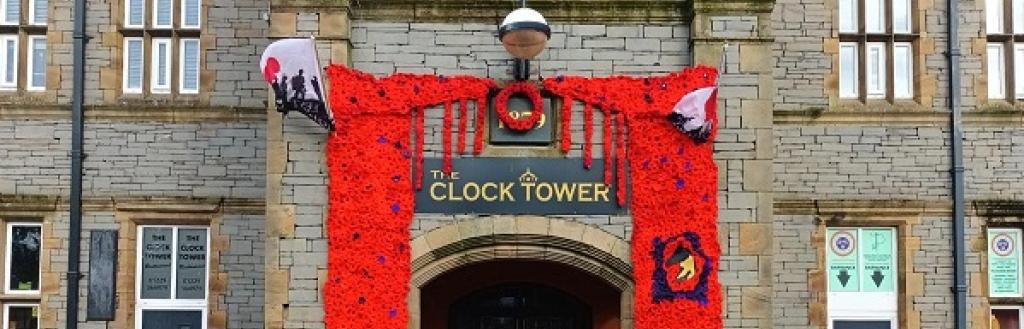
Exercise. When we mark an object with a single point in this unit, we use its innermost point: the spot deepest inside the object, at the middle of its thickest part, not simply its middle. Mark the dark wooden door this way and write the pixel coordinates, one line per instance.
(519, 306)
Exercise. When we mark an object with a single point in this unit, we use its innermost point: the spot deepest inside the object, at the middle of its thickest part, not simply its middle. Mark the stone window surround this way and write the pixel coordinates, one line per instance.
(132, 216)
(924, 84)
(990, 217)
(910, 284)
(23, 31)
(176, 33)
(1009, 100)
(49, 285)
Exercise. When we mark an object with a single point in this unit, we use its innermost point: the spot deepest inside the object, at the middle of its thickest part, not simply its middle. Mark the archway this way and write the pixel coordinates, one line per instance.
(499, 245)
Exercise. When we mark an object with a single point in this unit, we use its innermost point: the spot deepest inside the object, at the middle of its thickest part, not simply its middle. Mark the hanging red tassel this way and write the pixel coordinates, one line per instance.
(566, 124)
(620, 153)
(588, 134)
(608, 160)
(462, 125)
(446, 137)
(419, 115)
(481, 109)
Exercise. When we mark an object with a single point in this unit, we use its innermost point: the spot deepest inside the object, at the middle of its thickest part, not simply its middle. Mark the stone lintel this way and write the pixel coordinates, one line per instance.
(493, 11)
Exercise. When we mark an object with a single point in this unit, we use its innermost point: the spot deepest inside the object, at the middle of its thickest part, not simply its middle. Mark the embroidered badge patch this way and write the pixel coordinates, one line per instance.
(681, 269)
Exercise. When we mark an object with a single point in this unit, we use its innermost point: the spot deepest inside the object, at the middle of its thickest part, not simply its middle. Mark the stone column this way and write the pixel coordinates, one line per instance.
(744, 150)
(296, 194)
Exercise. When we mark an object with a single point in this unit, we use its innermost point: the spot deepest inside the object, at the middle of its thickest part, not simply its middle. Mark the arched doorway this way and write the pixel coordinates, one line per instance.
(470, 256)
(518, 294)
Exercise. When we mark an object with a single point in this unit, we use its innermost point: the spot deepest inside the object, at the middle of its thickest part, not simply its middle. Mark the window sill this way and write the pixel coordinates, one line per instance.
(880, 105)
(20, 297)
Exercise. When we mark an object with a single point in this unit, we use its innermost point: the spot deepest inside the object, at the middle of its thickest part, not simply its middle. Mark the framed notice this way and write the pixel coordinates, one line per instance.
(1004, 263)
(842, 260)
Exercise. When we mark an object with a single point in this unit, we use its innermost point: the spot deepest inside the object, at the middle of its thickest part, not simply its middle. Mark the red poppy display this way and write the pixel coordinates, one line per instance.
(501, 106)
(673, 199)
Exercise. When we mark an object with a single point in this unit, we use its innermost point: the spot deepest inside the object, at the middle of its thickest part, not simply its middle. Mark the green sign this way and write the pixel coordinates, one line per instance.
(877, 261)
(861, 260)
(1003, 263)
(842, 260)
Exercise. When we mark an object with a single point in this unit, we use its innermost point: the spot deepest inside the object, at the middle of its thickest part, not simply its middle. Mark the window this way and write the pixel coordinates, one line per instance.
(22, 258)
(172, 272)
(9, 61)
(862, 277)
(23, 57)
(876, 49)
(21, 316)
(1004, 27)
(1005, 317)
(37, 63)
(162, 50)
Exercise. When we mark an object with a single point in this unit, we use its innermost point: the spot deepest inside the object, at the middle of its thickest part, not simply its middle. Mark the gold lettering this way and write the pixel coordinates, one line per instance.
(601, 192)
(488, 197)
(451, 193)
(471, 196)
(437, 174)
(585, 189)
(506, 193)
(565, 191)
(529, 191)
(541, 187)
(433, 188)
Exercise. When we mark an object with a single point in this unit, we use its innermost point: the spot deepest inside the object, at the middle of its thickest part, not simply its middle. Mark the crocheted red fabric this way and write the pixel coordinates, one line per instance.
(673, 201)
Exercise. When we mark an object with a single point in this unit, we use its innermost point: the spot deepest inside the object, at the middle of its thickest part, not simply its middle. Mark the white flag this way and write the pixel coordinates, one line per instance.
(291, 68)
(690, 113)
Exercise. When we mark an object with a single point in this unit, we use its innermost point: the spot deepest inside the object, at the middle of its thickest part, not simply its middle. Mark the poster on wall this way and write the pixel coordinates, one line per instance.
(1004, 263)
(861, 260)
(842, 261)
(877, 260)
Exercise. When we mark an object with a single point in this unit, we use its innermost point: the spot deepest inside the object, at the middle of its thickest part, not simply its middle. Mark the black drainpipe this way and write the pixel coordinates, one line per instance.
(956, 140)
(75, 234)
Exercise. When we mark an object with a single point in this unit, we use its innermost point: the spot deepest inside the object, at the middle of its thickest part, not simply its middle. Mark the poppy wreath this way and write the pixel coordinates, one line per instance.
(375, 164)
(531, 92)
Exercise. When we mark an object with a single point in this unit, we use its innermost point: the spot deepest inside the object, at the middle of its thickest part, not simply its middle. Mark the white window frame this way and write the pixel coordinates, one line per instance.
(1020, 312)
(30, 78)
(908, 6)
(172, 303)
(181, 65)
(874, 12)
(909, 92)
(3, 12)
(128, 14)
(32, 13)
(7, 313)
(4, 85)
(854, 90)
(154, 65)
(156, 9)
(848, 20)
(866, 306)
(996, 78)
(7, 258)
(125, 67)
(199, 16)
(878, 91)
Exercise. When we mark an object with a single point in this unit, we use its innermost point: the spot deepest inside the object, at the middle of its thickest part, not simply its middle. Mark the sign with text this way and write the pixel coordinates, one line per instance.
(516, 186)
(842, 261)
(1004, 262)
(520, 106)
(877, 261)
(156, 262)
(191, 275)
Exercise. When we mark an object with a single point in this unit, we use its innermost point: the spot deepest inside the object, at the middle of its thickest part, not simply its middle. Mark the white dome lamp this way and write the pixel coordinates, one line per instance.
(525, 34)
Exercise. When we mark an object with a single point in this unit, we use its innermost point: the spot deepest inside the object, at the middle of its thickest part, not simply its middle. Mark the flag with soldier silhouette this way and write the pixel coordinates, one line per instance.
(291, 68)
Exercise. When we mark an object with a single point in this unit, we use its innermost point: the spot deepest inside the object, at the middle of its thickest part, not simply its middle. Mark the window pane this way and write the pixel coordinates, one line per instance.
(39, 63)
(874, 16)
(163, 64)
(876, 69)
(24, 249)
(994, 16)
(1018, 67)
(22, 317)
(39, 8)
(133, 64)
(136, 9)
(996, 72)
(190, 65)
(191, 280)
(848, 16)
(901, 16)
(12, 12)
(163, 12)
(160, 70)
(156, 262)
(903, 76)
(1018, 17)
(10, 60)
(1005, 319)
(191, 12)
(848, 70)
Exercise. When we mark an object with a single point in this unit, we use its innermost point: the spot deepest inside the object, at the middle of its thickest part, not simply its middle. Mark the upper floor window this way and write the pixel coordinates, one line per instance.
(876, 49)
(1004, 28)
(23, 45)
(162, 54)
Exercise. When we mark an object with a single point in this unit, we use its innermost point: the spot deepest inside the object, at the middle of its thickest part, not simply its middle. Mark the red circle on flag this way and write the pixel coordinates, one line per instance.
(271, 69)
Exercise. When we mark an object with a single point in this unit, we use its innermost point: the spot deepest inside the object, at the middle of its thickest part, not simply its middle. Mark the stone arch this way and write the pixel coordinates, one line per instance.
(583, 247)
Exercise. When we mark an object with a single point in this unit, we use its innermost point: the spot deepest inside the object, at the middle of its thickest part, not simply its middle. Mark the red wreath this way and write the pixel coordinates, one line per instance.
(521, 124)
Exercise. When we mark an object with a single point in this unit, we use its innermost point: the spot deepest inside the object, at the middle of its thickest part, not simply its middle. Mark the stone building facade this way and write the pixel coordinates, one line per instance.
(795, 158)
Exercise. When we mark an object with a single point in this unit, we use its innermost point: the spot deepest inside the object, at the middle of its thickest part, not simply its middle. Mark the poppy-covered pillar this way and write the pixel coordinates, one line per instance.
(740, 34)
